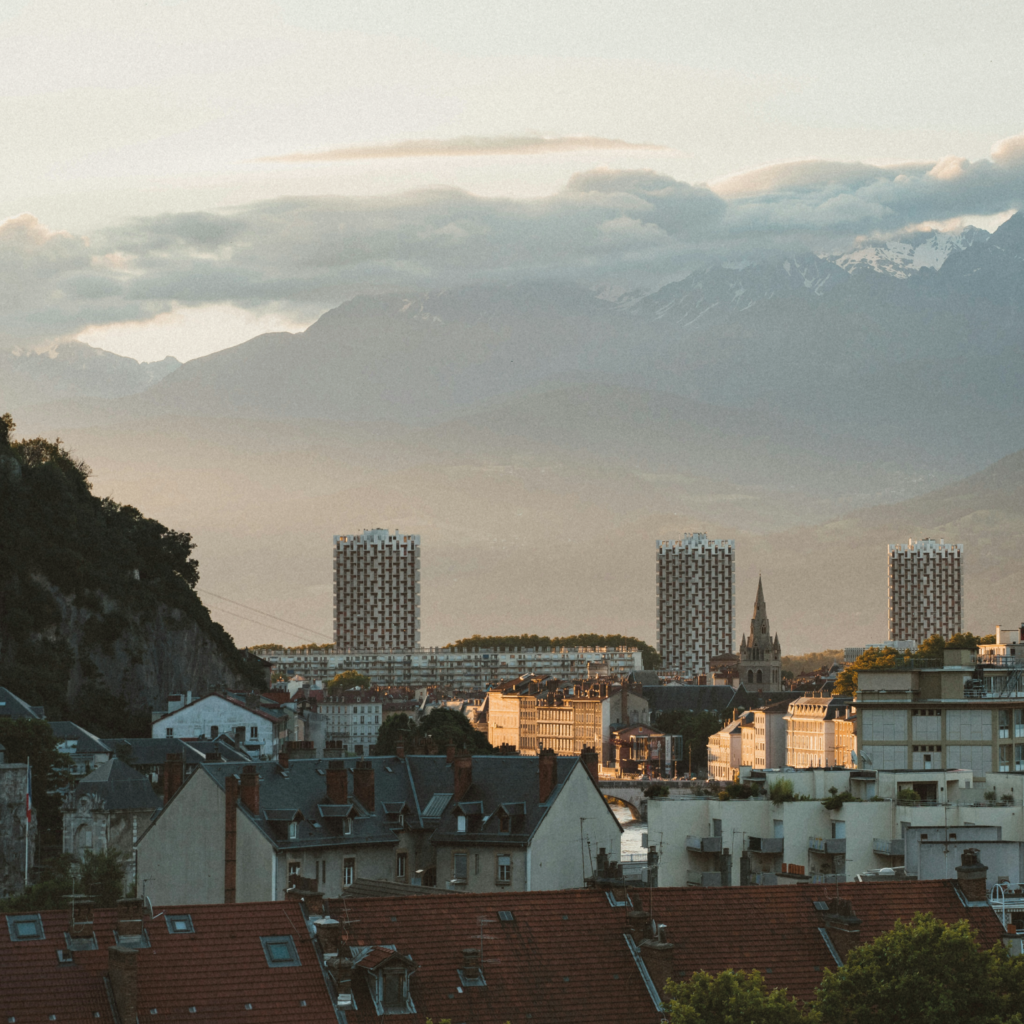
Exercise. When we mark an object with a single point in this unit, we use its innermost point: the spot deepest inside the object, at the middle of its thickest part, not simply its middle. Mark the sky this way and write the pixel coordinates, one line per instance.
(179, 177)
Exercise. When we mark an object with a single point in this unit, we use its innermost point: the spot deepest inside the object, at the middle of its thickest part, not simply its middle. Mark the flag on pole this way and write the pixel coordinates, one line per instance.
(28, 796)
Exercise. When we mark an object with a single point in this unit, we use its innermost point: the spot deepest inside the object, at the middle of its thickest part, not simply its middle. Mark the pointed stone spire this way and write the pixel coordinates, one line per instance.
(759, 600)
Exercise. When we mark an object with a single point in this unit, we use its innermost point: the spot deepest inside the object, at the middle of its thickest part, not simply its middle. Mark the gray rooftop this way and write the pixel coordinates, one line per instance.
(12, 706)
(120, 787)
(690, 698)
(85, 742)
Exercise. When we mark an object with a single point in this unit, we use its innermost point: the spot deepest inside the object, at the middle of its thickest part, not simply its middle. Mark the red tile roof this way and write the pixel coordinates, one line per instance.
(218, 968)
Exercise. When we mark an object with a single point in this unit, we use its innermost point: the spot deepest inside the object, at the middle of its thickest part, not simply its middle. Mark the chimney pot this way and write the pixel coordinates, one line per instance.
(337, 782)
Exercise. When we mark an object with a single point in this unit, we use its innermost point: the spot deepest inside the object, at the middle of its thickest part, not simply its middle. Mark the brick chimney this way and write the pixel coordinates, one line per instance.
(174, 773)
(328, 933)
(230, 835)
(658, 955)
(364, 785)
(462, 774)
(548, 769)
(282, 760)
(123, 967)
(972, 877)
(337, 782)
(400, 751)
(250, 790)
(638, 924)
(842, 925)
(588, 755)
(450, 752)
(470, 964)
(81, 927)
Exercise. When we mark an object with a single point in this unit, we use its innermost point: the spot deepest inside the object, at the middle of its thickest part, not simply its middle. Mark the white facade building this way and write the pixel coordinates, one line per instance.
(925, 590)
(259, 732)
(377, 591)
(463, 667)
(354, 718)
(696, 602)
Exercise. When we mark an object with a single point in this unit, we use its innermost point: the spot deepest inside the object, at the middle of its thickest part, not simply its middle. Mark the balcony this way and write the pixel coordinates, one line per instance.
(705, 878)
(889, 847)
(827, 845)
(704, 844)
(761, 844)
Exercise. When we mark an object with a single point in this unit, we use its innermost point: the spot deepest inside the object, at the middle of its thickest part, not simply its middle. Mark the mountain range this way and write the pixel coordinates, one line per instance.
(541, 436)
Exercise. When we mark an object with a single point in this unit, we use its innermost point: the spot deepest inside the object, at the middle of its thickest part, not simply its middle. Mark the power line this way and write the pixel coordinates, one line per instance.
(227, 611)
(259, 611)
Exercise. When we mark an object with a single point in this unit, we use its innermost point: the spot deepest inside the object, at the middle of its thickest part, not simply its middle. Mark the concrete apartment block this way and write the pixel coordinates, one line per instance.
(696, 602)
(925, 589)
(377, 591)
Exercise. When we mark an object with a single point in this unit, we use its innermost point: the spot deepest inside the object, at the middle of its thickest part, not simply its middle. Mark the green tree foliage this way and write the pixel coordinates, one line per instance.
(695, 727)
(347, 681)
(731, 997)
(927, 971)
(651, 658)
(100, 877)
(115, 565)
(801, 664)
(32, 740)
(872, 658)
(442, 728)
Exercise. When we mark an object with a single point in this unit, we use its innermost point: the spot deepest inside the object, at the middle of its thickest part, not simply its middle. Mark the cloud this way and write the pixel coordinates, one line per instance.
(469, 145)
(623, 227)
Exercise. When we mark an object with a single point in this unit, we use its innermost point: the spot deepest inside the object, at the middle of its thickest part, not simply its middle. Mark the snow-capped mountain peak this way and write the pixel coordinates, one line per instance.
(905, 255)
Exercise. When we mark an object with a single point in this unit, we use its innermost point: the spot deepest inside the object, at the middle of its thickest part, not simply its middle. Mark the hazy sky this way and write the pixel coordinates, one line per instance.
(148, 208)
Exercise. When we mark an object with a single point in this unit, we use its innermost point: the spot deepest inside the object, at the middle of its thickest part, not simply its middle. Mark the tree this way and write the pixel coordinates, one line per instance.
(100, 877)
(442, 728)
(347, 681)
(926, 970)
(873, 658)
(694, 727)
(731, 997)
(32, 739)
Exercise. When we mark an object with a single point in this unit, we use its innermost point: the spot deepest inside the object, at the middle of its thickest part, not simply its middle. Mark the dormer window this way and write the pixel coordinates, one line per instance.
(460, 823)
(293, 830)
(504, 822)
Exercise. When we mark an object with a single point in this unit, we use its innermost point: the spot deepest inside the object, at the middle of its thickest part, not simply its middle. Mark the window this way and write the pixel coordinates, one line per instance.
(504, 869)
(1005, 753)
(280, 951)
(458, 867)
(179, 923)
(1004, 724)
(293, 829)
(1018, 723)
(394, 991)
(349, 872)
(214, 732)
(400, 865)
(169, 733)
(25, 927)
(460, 823)
(346, 826)
(254, 732)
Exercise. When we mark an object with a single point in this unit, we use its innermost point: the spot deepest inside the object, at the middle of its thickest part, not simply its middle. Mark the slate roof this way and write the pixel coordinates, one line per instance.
(86, 742)
(120, 787)
(418, 782)
(689, 698)
(153, 751)
(12, 706)
(270, 714)
(218, 968)
(646, 677)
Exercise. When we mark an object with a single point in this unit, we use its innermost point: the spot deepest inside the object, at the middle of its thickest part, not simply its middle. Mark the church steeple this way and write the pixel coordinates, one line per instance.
(760, 652)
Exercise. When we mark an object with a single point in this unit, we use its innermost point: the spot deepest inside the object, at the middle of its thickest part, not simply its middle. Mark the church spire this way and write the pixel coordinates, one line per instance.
(759, 600)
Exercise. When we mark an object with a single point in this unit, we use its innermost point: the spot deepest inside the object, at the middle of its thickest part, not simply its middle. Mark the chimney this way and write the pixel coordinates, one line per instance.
(548, 769)
(337, 782)
(282, 760)
(123, 966)
(842, 925)
(470, 964)
(638, 924)
(588, 755)
(174, 771)
(252, 700)
(400, 751)
(972, 877)
(657, 956)
(340, 969)
(364, 785)
(81, 928)
(129, 915)
(230, 835)
(462, 774)
(450, 752)
(328, 932)
(250, 790)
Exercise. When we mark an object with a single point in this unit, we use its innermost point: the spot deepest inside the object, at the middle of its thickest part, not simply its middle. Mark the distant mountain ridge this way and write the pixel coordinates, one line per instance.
(904, 256)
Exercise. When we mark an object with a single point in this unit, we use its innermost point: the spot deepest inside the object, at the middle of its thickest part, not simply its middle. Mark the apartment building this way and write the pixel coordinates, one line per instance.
(530, 718)
(696, 602)
(819, 733)
(461, 668)
(377, 591)
(967, 713)
(352, 720)
(257, 730)
(925, 590)
(883, 823)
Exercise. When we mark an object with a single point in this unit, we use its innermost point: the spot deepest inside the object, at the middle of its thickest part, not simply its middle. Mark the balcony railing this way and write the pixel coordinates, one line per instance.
(705, 878)
(764, 844)
(826, 845)
(828, 879)
(890, 847)
(704, 844)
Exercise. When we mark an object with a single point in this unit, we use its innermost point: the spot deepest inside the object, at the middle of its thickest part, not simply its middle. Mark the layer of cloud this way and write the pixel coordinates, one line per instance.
(305, 254)
(469, 145)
